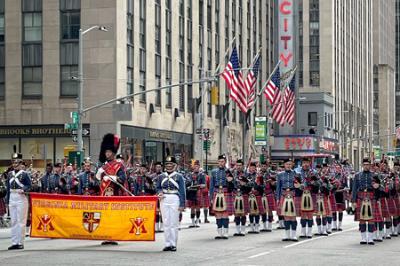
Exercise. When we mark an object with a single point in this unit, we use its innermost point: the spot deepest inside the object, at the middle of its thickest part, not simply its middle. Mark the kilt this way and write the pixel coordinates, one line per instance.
(392, 207)
(332, 201)
(375, 210)
(384, 208)
(314, 202)
(261, 209)
(271, 202)
(246, 205)
(201, 200)
(340, 201)
(3, 209)
(206, 199)
(378, 218)
(229, 202)
(297, 203)
(327, 206)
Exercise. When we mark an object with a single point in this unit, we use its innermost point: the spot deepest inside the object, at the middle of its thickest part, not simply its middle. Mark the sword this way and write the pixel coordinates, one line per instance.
(121, 186)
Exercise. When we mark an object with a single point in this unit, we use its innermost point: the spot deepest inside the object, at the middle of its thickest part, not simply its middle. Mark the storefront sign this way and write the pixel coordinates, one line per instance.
(35, 131)
(329, 146)
(160, 135)
(286, 34)
(294, 143)
(261, 135)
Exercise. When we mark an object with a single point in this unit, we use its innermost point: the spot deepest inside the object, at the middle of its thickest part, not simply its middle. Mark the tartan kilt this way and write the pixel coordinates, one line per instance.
(3, 209)
(378, 218)
(314, 202)
(384, 208)
(206, 200)
(229, 202)
(261, 209)
(297, 204)
(340, 198)
(201, 201)
(392, 207)
(246, 205)
(374, 206)
(332, 201)
(271, 202)
(327, 206)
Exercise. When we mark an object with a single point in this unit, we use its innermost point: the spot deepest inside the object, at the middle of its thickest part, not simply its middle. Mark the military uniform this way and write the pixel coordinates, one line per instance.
(241, 201)
(363, 196)
(88, 184)
(50, 183)
(269, 179)
(18, 184)
(195, 184)
(340, 197)
(171, 188)
(287, 195)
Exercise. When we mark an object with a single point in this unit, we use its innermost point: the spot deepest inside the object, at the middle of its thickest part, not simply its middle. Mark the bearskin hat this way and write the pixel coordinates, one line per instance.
(110, 142)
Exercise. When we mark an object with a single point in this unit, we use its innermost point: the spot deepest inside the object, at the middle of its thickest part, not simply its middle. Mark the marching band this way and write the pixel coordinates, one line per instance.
(259, 193)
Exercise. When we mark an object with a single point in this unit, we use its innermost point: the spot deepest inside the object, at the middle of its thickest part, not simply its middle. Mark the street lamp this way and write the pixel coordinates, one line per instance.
(80, 79)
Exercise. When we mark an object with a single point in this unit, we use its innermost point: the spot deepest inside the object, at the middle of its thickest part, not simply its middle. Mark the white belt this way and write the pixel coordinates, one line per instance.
(166, 191)
(16, 190)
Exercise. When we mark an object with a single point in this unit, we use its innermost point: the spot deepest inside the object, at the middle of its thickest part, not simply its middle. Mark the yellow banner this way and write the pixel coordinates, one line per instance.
(93, 217)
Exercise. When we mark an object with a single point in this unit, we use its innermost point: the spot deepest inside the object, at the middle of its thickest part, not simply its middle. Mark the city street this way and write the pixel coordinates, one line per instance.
(198, 247)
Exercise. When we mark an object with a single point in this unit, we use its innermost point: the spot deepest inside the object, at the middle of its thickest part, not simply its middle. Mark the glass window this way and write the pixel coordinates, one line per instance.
(142, 86)
(2, 82)
(129, 80)
(312, 119)
(32, 55)
(181, 88)
(69, 53)
(1, 27)
(69, 87)
(70, 24)
(6, 145)
(32, 81)
(32, 27)
(70, 4)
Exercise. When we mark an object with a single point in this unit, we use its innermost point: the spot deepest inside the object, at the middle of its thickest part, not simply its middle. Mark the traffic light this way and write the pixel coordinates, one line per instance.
(214, 95)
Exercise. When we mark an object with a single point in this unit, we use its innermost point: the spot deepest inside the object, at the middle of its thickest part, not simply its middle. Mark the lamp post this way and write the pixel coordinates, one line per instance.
(80, 80)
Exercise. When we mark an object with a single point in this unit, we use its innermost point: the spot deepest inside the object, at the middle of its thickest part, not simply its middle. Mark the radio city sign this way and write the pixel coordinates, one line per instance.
(286, 34)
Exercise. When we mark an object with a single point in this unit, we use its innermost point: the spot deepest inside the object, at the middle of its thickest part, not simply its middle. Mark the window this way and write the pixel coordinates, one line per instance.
(70, 24)
(181, 88)
(142, 50)
(32, 27)
(190, 89)
(32, 70)
(1, 27)
(168, 61)
(168, 75)
(209, 106)
(129, 47)
(2, 51)
(312, 119)
(158, 79)
(69, 56)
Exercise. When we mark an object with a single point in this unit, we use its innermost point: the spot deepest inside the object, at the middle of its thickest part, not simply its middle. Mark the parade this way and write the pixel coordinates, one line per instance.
(250, 197)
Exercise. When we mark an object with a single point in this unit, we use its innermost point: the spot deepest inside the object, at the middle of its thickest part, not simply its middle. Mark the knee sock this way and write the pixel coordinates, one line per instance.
(270, 218)
(237, 220)
(388, 224)
(309, 223)
(205, 211)
(157, 218)
(329, 219)
(363, 228)
(180, 217)
(294, 225)
(192, 215)
(318, 220)
(324, 221)
(395, 222)
(198, 214)
(243, 220)
(303, 222)
(287, 225)
(381, 226)
(226, 222)
(371, 228)
(251, 218)
(334, 216)
(264, 218)
(219, 223)
(340, 216)
(257, 218)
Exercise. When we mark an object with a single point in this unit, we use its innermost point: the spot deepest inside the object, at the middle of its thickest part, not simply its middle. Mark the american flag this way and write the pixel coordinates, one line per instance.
(251, 82)
(234, 79)
(289, 102)
(270, 89)
(278, 112)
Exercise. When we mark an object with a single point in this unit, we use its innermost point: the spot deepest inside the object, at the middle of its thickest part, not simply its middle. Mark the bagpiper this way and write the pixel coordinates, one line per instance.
(221, 187)
(363, 199)
(156, 175)
(88, 184)
(269, 179)
(241, 199)
(289, 199)
(144, 183)
(378, 191)
(18, 184)
(171, 191)
(195, 184)
(48, 183)
(323, 208)
(340, 197)
(112, 173)
(256, 207)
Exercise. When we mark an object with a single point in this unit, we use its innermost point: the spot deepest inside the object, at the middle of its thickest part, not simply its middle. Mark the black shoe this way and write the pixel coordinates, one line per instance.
(14, 247)
(294, 240)
(378, 240)
(394, 235)
(329, 233)
(197, 226)
(318, 234)
(218, 237)
(236, 234)
(340, 229)
(363, 242)
(335, 229)
(286, 239)
(302, 236)
(167, 249)
(252, 232)
(173, 249)
(192, 226)
(324, 234)
(206, 221)
(309, 237)
(280, 227)
(241, 234)
(109, 243)
(388, 237)
(264, 230)
(371, 243)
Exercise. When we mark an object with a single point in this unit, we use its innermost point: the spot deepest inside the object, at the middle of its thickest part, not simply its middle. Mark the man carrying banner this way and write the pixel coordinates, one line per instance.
(171, 191)
(18, 184)
(112, 174)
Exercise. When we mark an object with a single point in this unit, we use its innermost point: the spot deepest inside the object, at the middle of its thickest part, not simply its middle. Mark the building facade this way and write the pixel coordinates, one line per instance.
(149, 43)
(335, 59)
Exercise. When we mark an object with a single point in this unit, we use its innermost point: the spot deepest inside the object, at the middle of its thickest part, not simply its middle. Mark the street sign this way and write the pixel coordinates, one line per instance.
(75, 117)
(261, 133)
(75, 138)
(86, 132)
(206, 145)
(74, 132)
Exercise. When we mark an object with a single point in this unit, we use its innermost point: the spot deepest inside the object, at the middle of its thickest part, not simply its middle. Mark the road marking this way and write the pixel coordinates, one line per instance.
(261, 254)
(316, 238)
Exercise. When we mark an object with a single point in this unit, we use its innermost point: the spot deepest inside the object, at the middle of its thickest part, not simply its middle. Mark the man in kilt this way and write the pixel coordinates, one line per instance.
(340, 190)
(243, 188)
(288, 195)
(221, 187)
(323, 202)
(195, 184)
(269, 179)
(365, 203)
(309, 179)
(396, 171)
(379, 222)
(255, 206)
(386, 204)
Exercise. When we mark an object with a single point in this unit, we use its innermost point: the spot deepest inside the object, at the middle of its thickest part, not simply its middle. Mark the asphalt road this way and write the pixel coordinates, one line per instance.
(198, 247)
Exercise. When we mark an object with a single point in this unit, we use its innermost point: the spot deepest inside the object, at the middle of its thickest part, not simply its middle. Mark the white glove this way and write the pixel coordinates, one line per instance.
(99, 173)
(110, 177)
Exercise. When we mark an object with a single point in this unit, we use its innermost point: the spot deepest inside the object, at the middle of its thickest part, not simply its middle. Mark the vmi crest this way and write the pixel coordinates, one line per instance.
(45, 224)
(91, 221)
(137, 226)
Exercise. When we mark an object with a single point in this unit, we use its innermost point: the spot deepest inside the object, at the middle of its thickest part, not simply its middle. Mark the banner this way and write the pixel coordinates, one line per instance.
(93, 217)
(261, 131)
